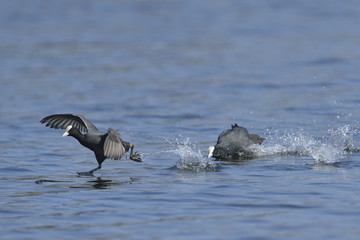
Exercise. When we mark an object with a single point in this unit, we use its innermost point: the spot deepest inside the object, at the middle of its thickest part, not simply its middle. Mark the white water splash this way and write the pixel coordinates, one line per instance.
(343, 137)
(326, 150)
(191, 158)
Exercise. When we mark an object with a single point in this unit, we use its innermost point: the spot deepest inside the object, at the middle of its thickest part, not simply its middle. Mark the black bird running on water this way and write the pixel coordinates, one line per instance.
(104, 145)
(234, 143)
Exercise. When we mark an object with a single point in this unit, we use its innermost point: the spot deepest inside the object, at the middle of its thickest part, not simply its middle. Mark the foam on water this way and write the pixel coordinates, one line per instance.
(325, 150)
(191, 158)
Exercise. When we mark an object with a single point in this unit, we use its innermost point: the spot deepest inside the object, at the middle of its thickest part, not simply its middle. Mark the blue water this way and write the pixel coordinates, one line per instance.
(171, 76)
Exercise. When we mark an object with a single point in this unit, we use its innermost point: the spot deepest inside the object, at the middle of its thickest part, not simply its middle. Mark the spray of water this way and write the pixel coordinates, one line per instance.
(330, 149)
(326, 150)
(191, 158)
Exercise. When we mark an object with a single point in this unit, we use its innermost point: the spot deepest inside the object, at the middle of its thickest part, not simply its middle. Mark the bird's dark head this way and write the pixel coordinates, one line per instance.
(69, 131)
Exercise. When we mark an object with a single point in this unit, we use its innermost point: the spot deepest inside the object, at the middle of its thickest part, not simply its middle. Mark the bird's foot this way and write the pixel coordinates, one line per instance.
(87, 174)
(135, 157)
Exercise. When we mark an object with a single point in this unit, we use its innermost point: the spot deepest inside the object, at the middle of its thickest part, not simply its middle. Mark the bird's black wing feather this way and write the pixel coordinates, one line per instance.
(64, 120)
(223, 134)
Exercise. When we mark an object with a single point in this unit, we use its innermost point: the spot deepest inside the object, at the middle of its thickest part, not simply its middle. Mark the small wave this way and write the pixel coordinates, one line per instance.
(325, 150)
(191, 158)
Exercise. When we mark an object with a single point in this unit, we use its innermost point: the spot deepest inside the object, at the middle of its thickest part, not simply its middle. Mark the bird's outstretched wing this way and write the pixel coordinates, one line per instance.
(113, 147)
(64, 120)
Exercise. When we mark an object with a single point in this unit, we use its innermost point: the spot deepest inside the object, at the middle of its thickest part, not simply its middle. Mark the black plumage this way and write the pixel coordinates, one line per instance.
(234, 143)
(104, 145)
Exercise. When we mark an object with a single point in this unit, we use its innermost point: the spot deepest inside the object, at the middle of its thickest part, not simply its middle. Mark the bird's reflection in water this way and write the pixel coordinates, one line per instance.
(100, 183)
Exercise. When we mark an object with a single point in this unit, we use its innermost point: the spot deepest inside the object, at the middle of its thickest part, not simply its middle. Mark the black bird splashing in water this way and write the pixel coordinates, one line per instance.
(104, 145)
(234, 143)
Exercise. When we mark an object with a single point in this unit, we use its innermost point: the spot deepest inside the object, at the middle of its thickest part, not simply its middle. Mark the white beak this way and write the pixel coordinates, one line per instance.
(211, 151)
(66, 133)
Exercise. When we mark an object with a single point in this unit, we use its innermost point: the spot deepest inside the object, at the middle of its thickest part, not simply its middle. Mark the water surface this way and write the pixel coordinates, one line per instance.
(171, 76)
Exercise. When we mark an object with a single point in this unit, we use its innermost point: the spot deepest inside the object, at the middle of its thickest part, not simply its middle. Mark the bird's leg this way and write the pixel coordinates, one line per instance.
(134, 155)
(90, 173)
(95, 169)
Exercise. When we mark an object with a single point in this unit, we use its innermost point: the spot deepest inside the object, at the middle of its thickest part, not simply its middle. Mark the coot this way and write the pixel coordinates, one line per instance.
(234, 144)
(104, 145)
